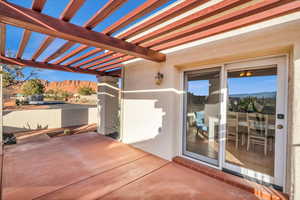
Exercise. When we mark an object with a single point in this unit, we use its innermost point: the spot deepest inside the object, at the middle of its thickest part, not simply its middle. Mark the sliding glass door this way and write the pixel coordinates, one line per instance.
(201, 140)
(235, 118)
(256, 119)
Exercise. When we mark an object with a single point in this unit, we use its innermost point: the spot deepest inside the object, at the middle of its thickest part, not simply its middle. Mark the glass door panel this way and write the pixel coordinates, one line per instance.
(201, 139)
(251, 120)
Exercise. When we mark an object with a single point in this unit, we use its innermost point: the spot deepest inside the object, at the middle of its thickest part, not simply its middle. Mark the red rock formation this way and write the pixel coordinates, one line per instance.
(71, 86)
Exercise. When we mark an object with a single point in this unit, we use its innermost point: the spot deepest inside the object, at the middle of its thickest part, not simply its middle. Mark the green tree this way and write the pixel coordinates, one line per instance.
(14, 75)
(33, 86)
(86, 91)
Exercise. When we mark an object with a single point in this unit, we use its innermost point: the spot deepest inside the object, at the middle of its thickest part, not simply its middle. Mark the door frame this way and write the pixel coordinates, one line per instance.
(202, 158)
(223, 109)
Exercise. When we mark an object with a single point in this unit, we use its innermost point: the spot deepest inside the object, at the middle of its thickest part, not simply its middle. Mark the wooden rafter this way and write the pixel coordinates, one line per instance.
(111, 65)
(113, 57)
(164, 16)
(202, 14)
(71, 54)
(142, 10)
(37, 6)
(104, 12)
(102, 56)
(2, 38)
(206, 27)
(284, 9)
(207, 12)
(66, 15)
(42, 65)
(110, 7)
(247, 11)
(90, 53)
(27, 18)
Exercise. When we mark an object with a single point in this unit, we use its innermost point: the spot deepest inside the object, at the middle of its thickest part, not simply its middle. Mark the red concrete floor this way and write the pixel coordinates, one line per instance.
(91, 166)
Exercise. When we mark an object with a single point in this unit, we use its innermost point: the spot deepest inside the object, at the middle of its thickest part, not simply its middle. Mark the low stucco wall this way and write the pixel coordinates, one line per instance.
(152, 115)
(15, 121)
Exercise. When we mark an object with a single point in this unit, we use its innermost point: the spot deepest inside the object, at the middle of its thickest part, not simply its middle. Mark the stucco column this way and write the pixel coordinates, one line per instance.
(295, 125)
(108, 105)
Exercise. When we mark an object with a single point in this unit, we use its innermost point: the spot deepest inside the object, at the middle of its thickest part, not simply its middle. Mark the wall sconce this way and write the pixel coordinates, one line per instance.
(159, 78)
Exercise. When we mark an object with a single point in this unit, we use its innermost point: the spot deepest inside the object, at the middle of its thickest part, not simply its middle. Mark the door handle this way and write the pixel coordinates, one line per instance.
(279, 126)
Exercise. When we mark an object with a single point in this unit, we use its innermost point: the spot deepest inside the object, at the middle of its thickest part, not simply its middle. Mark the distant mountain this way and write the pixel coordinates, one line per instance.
(258, 95)
(71, 86)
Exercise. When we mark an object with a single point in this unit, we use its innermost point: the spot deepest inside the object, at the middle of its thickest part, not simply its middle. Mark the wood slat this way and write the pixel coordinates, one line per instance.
(37, 6)
(113, 57)
(72, 53)
(247, 11)
(25, 38)
(142, 10)
(110, 7)
(104, 55)
(90, 53)
(46, 42)
(287, 8)
(42, 65)
(66, 15)
(104, 12)
(71, 9)
(200, 15)
(175, 11)
(65, 47)
(207, 12)
(26, 18)
(117, 61)
(2, 39)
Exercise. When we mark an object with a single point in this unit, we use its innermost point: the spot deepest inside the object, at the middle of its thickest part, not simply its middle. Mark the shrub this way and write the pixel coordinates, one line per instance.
(86, 91)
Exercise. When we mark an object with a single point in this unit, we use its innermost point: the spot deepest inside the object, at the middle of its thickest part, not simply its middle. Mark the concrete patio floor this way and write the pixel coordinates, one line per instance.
(91, 166)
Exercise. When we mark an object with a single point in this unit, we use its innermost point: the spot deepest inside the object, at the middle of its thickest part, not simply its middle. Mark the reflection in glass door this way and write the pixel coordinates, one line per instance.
(251, 115)
(201, 140)
(255, 138)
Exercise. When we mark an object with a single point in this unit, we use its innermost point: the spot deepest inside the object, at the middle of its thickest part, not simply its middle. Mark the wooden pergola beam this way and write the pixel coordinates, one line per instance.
(110, 7)
(90, 53)
(162, 17)
(197, 16)
(69, 12)
(244, 12)
(37, 6)
(284, 9)
(99, 62)
(207, 12)
(28, 19)
(105, 11)
(42, 65)
(142, 10)
(102, 56)
(147, 7)
(2, 39)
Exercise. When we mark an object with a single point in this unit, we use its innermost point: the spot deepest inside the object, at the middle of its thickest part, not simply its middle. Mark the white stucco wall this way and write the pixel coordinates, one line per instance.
(151, 114)
(15, 121)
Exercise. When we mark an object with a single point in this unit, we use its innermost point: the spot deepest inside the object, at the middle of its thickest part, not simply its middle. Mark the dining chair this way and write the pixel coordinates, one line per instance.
(232, 128)
(200, 124)
(257, 130)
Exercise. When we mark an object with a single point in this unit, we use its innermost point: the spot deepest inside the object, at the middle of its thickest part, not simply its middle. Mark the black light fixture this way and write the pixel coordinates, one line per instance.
(159, 78)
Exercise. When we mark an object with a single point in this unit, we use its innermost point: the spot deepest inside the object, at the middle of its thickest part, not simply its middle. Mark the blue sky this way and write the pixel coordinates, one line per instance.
(55, 8)
(243, 85)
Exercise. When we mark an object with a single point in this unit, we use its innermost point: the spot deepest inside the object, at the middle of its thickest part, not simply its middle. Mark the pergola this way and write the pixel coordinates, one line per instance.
(179, 23)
